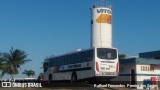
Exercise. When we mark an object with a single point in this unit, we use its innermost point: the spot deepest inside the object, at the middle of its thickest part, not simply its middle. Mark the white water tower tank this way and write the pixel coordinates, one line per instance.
(101, 25)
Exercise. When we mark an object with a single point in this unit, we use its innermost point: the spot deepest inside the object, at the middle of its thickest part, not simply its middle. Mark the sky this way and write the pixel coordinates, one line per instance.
(52, 27)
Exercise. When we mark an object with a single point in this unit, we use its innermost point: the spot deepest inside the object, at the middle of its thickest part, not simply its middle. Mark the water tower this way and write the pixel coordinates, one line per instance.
(101, 24)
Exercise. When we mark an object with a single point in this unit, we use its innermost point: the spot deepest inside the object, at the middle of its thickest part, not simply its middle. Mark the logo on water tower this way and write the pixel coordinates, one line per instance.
(105, 16)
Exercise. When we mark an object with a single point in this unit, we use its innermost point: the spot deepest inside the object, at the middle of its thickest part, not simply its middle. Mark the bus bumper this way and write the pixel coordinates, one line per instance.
(100, 78)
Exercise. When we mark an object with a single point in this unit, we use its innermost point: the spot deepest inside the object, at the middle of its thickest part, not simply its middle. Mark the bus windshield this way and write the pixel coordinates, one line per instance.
(106, 53)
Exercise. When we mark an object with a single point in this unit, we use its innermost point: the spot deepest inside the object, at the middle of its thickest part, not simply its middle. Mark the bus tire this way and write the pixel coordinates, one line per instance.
(74, 77)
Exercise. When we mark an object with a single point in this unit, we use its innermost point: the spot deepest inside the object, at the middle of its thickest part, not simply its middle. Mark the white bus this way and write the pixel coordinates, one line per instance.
(90, 64)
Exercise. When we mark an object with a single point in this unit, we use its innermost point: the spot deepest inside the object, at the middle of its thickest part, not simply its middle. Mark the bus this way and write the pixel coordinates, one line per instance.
(89, 64)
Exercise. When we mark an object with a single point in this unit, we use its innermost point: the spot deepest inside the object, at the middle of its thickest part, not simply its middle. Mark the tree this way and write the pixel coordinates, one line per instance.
(29, 73)
(2, 65)
(122, 56)
(11, 62)
(1, 62)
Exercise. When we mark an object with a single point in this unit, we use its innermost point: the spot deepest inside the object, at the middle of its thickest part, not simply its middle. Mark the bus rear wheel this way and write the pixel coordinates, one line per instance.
(74, 77)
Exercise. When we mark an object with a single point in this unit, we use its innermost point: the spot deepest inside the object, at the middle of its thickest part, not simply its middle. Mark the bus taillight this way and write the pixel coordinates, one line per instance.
(117, 67)
(97, 66)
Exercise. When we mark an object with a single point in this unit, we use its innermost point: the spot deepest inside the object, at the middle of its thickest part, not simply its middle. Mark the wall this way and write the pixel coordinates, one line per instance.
(124, 73)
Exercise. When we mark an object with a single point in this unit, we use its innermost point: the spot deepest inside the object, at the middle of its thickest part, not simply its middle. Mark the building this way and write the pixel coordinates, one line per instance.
(139, 71)
(152, 54)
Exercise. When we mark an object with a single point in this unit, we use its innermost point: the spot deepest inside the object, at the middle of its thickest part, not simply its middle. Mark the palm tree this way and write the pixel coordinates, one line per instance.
(29, 73)
(11, 62)
(2, 65)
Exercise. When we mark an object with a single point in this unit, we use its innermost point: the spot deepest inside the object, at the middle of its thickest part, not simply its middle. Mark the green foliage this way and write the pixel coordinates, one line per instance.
(121, 56)
(11, 62)
(28, 73)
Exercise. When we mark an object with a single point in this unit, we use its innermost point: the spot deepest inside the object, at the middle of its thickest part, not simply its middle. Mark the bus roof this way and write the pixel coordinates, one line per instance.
(72, 52)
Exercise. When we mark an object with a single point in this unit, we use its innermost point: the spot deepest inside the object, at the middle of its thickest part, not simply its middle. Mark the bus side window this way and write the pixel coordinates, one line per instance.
(82, 57)
(56, 62)
(78, 57)
(72, 59)
(89, 55)
(59, 61)
(44, 67)
(75, 58)
(49, 64)
(63, 60)
(67, 59)
(53, 62)
(86, 56)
